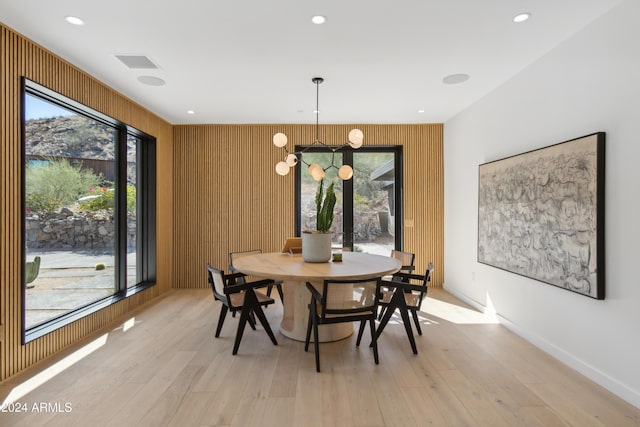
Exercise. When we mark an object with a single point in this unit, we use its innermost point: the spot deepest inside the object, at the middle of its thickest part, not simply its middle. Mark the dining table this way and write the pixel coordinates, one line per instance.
(294, 272)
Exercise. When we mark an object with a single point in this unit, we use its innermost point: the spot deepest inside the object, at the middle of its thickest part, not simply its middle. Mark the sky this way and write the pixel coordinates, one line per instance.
(36, 108)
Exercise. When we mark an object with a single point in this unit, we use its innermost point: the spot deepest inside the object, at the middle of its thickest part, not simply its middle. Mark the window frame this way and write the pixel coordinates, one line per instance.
(145, 210)
(347, 209)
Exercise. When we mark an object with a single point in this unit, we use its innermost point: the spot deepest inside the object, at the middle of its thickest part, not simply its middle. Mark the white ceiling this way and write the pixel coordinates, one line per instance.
(251, 61)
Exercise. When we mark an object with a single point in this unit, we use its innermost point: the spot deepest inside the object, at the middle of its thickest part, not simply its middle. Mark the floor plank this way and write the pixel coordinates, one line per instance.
(162, 366)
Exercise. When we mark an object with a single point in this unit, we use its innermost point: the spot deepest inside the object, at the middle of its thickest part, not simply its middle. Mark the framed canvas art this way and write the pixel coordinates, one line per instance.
(541, 214)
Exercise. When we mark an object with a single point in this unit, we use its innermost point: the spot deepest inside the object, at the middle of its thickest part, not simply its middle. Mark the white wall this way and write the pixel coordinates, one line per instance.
(589, 83)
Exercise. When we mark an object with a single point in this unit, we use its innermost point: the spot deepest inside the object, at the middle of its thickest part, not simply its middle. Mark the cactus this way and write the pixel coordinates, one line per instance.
(32, 269)
(324, 211)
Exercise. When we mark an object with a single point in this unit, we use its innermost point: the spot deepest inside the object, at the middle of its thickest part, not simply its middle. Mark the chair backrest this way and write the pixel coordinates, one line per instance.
(216, 280)
(292, 243)
(235, 255)
(406, 258)
(425, 283)
(363, 298)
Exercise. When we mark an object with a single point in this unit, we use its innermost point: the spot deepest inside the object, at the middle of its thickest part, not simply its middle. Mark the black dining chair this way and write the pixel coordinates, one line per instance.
(325, 308)
(407, 259)
(235, 255)
(241, 297)
(405, 293)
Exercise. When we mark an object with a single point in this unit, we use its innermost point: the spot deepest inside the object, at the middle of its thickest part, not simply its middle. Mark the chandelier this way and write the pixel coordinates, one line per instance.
(291, 158)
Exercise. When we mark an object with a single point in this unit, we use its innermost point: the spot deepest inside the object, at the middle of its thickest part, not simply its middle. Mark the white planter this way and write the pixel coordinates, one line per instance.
(316, 247)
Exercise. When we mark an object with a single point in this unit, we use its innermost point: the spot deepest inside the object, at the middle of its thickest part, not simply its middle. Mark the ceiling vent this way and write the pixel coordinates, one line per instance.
(137, 62)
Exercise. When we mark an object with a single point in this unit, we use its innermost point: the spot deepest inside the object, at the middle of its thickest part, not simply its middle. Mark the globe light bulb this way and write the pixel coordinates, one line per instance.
(313, 167)
(280, 139)
(291, 160)
(282, 168)
(345, 172)
(355, 138)
(316, 172)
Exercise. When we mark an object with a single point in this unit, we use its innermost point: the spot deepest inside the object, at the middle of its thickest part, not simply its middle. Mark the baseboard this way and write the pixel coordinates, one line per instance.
(613, 385)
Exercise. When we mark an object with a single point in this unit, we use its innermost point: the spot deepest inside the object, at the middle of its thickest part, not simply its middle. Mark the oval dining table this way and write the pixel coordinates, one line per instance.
(294, 272)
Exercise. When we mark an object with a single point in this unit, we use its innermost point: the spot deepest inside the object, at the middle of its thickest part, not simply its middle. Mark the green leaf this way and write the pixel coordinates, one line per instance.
(319, 203)
(325, 212)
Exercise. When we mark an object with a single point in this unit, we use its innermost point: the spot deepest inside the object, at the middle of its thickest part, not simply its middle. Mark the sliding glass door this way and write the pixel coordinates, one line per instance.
(368, 213)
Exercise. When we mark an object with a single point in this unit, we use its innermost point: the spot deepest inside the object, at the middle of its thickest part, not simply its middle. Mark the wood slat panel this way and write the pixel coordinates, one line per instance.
(229, 198)
(21, 57)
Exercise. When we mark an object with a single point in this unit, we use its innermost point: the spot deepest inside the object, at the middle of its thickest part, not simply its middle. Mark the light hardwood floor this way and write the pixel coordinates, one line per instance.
(162, 366)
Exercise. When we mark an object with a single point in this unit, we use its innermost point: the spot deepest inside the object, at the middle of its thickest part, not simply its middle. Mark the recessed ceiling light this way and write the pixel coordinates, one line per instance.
(521, 17)
(420, 111)
(454, 79)
(74, 20)
(190, 112)
(151, 80)
(318, 19)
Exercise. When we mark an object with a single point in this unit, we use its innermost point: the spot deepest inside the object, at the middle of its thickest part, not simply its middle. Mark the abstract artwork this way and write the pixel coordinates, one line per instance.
(541, 214)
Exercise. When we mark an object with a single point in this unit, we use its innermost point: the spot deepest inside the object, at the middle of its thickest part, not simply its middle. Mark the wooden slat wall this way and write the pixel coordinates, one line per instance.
(228, 196)
(21, 57)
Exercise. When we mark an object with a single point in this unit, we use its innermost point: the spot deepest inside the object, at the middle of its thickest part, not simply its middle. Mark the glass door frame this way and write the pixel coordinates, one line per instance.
(347, 188)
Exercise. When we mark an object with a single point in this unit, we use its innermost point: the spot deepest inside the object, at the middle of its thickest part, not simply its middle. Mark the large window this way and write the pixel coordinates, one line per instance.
(368, 212)
(89, 210)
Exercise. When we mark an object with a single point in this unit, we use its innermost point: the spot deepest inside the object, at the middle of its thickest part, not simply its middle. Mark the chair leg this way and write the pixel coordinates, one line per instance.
(382, 309)
(316, 343)
(269, 288)
(262, 318)
(308, 337)
(360, 331)
(313, 322)
(385, 319)
(252, 320)
(407, 327)
(223, 313)
(397, 302)
(374, 341)
(279, 287)
(414, 313)
(244, 318)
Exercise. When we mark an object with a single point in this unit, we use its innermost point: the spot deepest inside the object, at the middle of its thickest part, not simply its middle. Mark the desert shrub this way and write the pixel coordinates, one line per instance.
(131, 198)
(97, 198)
(41, 202)
(55, 183)
(103, 198)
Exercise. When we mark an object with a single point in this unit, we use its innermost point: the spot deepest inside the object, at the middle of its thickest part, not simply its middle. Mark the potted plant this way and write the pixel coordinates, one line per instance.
(316, 244)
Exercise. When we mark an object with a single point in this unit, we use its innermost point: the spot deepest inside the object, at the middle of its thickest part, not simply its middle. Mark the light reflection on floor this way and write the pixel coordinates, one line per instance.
(454, 313)
(22, 389)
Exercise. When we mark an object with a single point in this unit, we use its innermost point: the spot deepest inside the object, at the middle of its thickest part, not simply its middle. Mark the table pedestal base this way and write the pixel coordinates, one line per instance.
(295, 314)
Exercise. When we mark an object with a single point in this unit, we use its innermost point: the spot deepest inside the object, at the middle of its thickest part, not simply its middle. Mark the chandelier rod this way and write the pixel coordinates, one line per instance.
(291, 158)
(317, 81)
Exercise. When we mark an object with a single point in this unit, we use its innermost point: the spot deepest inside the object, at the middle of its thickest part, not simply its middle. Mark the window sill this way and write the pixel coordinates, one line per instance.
(56, 323)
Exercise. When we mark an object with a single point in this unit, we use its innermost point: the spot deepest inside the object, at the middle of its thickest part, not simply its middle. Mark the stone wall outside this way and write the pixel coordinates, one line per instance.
(69, 230)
